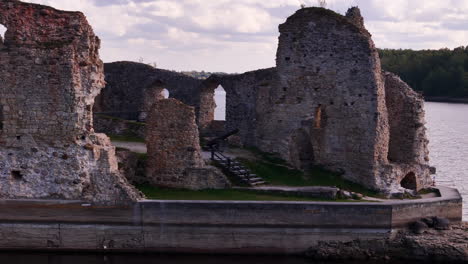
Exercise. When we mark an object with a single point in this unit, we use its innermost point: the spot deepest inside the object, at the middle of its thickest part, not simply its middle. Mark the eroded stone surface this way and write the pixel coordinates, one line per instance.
(50, 72)
(325, 103)
(132, 88)
(174, 153)
(430, 245)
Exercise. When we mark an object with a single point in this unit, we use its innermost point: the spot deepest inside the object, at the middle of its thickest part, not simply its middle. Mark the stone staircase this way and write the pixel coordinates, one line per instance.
(237, 170)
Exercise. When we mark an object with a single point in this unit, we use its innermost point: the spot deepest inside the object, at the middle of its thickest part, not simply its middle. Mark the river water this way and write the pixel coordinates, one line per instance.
(447, 126)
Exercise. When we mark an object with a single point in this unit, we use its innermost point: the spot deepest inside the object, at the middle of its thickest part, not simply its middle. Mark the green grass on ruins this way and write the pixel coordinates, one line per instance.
(222, 195)
(277, 172)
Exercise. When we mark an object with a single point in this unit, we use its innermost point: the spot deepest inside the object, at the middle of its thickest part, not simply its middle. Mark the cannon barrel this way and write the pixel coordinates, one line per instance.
(223, 137)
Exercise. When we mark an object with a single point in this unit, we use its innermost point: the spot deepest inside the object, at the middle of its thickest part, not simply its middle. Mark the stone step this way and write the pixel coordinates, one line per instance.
(255, 179)
(257, 183)
(243, 175)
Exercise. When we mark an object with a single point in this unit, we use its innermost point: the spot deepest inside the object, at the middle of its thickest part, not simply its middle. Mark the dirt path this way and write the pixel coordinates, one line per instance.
(137, 147)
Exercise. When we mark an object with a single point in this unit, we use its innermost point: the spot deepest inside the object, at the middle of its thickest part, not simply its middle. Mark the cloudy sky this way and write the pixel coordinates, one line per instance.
(241, 35)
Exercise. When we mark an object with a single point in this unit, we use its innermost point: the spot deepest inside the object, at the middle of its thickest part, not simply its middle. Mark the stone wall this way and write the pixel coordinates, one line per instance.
(50, 72)
(330, 96)
(174, 153)
(243, 227)
(325, 104)
(246, 96)
(131, 88)
(408, 145)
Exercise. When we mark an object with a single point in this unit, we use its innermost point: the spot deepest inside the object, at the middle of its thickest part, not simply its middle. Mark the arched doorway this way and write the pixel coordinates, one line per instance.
(220, 101)
(3, 30)
(151, 96)
(164, 94)
(302, 153)
(409, 181)
(207, 104)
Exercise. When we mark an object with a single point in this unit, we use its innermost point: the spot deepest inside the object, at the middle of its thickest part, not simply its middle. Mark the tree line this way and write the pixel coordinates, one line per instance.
(435, 73)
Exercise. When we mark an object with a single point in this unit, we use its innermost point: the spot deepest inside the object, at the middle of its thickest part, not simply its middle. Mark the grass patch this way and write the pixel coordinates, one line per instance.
(142, 156)
(429, 191)
(277, 172)
(121, 149)
(126, 138)
(121, 119)
(224, 195)
(268, 157)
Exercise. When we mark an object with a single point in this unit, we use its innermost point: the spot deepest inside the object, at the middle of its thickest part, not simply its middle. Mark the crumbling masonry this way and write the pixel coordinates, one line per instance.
(50, 73)
(327, 102)
(174, 154)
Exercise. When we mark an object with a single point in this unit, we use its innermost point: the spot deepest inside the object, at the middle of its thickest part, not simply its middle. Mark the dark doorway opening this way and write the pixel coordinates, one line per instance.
(409, 181)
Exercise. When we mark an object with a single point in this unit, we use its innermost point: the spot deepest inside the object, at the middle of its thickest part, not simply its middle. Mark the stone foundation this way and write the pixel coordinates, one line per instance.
(239, 227)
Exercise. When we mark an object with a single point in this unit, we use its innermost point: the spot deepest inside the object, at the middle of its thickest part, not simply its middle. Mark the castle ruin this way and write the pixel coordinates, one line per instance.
(50, 73)
(327, 103)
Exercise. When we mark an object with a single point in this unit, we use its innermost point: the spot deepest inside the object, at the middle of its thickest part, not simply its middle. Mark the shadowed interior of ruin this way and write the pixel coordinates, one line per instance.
(409, 181)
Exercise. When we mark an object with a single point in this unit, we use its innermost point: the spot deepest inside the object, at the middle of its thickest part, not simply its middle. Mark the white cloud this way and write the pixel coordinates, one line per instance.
(241, 18)
(240, 35)
(169, 9)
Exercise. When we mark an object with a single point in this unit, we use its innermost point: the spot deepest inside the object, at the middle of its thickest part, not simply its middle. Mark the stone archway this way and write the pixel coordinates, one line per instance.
(3, 30)
(151, 95)
(409, 181)
(207, 105)
(220, 103)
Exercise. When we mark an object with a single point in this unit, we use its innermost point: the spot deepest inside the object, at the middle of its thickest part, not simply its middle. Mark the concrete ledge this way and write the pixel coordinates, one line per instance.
(312, 191)
(209, 226)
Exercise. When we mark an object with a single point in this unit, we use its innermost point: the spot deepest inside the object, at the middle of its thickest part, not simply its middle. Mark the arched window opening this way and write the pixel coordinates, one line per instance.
(3, 29)
(165, 93)
(220, 100)
(409, 181)
(319, 117)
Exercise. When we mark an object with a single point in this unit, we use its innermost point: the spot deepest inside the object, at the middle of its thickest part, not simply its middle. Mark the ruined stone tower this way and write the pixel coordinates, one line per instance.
(328, 103)
(333, 106)
(50, 73)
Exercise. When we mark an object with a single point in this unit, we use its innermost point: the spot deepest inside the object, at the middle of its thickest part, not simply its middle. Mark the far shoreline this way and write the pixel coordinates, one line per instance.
(446, 100)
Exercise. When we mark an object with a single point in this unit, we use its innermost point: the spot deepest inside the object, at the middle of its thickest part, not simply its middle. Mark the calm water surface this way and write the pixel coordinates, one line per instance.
(448, 134)
(18, 258)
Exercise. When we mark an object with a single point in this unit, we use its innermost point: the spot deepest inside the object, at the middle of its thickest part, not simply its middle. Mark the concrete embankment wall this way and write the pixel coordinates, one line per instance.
(208, 226)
